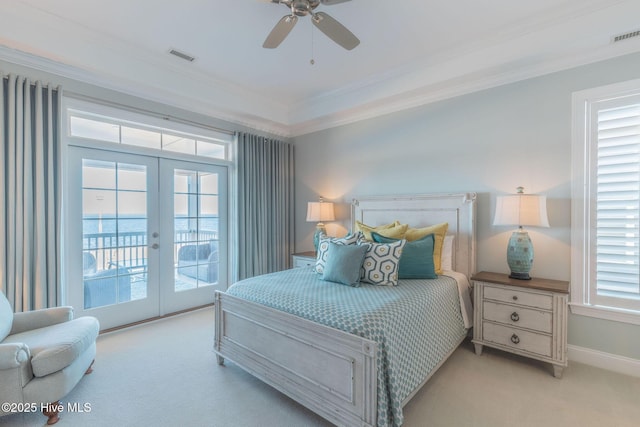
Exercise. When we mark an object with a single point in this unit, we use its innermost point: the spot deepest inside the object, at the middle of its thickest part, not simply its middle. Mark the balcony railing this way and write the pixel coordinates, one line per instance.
(129, 249)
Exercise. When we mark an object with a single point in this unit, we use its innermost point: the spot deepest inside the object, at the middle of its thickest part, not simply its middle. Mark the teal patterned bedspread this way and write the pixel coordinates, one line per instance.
(416, 324)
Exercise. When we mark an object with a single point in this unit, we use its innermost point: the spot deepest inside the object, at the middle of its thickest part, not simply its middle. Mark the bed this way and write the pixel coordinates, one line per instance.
(347, 353)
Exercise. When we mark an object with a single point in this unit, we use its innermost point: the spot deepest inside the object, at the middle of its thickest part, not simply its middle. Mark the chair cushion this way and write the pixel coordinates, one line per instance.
(55, 347)
(6, 317)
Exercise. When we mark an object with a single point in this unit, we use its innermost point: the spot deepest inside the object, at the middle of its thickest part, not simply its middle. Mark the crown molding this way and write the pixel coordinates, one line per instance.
(481, 80)
(183, 100)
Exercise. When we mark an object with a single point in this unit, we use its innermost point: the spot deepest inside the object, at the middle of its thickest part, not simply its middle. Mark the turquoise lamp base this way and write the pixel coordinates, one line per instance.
(520, 255)
(316, 236)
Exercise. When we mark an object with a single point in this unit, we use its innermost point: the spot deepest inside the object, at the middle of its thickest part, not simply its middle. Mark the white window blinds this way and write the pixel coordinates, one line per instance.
(605, 202)
(617, 202)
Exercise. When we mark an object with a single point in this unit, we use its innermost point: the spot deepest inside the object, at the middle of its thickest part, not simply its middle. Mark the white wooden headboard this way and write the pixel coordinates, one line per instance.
(459, 210)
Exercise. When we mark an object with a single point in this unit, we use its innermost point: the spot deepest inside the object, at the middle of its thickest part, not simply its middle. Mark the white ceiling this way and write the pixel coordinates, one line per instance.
(412, 51)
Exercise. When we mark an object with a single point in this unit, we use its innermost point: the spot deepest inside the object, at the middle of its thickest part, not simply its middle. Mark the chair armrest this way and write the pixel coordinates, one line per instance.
(13, 355)
(40, 318)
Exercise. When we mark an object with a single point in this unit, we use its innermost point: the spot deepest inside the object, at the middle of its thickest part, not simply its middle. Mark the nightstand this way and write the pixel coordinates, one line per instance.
(303, 259)
(525, 317)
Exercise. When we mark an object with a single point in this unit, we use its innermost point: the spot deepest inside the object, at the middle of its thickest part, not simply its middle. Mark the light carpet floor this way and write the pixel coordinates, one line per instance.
(165, 374)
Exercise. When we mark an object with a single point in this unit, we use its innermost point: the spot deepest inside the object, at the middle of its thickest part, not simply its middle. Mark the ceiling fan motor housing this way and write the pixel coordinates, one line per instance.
(303, 7)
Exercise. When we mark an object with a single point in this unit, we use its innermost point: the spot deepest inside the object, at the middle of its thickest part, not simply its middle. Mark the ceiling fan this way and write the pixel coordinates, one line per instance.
(325, 23)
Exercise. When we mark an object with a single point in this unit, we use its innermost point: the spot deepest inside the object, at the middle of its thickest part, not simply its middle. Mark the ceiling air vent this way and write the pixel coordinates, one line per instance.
(626, 36)
(182, 55)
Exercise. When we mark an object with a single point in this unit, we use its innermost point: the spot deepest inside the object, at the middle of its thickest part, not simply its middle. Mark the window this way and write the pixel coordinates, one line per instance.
(89, 121)
(605, 235)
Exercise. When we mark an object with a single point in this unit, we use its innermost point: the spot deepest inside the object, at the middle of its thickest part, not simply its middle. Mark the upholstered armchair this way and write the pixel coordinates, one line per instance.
(106, 287)
(43, 355)
(199, 261)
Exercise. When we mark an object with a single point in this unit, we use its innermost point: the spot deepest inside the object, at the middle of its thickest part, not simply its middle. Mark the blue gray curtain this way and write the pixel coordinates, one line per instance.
(29, 193)
(265, 205)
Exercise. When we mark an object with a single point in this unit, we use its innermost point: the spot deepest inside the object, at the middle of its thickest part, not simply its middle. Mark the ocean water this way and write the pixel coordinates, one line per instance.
(92, 224)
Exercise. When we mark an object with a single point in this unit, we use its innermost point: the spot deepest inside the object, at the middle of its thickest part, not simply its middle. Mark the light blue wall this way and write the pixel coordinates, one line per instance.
(489, 142)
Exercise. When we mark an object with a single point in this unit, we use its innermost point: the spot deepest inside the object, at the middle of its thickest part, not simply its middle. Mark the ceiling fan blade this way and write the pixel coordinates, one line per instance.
(330, 2)
(335, 30)
(280, 31)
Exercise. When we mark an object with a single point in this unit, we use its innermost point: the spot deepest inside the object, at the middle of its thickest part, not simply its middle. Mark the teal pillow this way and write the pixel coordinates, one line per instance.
(323, 246)
(416, 261)
(344, 263)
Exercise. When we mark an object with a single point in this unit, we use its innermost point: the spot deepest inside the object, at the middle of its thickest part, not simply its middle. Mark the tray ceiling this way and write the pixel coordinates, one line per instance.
(412, 52)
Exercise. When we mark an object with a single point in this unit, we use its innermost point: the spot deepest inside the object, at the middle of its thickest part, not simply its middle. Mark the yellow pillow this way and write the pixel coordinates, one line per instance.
(438, 231)
(367, 229)
(396, 232)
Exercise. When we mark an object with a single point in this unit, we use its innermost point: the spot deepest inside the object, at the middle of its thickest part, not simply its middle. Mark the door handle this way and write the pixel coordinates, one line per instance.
(155, 246)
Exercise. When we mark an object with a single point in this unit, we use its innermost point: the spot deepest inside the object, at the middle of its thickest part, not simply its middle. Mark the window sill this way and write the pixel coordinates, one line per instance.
(606, 313)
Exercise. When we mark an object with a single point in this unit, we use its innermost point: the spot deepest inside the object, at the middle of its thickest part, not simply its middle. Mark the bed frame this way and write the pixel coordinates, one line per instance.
(331, 372)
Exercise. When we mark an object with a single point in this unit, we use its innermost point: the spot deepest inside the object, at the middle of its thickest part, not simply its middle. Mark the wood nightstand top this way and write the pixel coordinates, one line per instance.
(310, 254)
(535, 283)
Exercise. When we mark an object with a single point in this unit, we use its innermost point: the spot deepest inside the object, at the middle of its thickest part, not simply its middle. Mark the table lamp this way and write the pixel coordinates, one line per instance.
(521, 210)
(319, 212)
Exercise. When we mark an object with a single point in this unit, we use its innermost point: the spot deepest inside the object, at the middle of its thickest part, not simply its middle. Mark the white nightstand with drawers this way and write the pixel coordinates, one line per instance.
(525, 317)
(303, 259)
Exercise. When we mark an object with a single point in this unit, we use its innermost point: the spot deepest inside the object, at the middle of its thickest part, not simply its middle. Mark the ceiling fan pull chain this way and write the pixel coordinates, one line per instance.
(313, 61)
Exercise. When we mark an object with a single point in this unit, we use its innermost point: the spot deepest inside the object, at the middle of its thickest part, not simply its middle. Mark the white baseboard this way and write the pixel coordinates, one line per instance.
(599, 359)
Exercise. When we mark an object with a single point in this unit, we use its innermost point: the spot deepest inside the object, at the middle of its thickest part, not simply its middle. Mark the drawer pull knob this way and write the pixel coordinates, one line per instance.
(515, 297)
(515, 317)
(515, 339)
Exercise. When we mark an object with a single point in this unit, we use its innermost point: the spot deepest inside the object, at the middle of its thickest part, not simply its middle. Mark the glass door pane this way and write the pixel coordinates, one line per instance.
(196, 229)
(114, 232)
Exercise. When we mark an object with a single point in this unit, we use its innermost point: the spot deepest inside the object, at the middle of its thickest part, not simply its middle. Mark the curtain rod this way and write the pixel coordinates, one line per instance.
(143, 111)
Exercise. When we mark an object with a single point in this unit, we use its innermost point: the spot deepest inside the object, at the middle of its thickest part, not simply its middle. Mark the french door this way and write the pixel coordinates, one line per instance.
(146, 236)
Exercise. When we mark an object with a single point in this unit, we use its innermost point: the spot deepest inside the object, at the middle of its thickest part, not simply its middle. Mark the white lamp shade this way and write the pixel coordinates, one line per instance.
(521, 209)
(320, 212)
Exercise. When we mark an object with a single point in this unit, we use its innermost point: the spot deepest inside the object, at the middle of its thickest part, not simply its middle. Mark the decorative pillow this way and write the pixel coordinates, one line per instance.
(381, 262)
(416, 261)
(447, 253)
(323, 247)
(344, 263)
(388, 230)
(439, 231)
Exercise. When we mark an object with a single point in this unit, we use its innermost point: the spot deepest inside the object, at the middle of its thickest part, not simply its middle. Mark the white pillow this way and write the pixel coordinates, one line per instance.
(447, 252)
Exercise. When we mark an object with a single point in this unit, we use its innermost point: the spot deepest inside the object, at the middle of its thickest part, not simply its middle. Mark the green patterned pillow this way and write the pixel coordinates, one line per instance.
(323, 247)
(381, 263)
(344, 263)
(416, 261)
